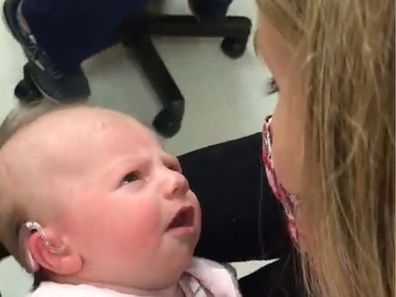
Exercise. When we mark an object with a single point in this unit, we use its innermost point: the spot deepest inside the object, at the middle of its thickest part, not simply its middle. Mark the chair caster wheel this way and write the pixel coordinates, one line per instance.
(167, 123)
(233, 47)
(27, 92)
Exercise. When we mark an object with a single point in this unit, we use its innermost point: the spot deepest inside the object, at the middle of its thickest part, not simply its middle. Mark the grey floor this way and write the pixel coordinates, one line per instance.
(225, 98)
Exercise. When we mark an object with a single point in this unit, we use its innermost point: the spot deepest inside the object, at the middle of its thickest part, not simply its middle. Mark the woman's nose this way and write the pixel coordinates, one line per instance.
(176, 185)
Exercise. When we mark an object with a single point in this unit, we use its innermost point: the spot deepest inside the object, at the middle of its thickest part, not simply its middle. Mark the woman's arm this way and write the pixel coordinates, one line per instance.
(241, 218)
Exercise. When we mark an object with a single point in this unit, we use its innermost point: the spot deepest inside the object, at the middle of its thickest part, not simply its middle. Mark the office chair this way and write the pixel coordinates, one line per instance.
(136, 34)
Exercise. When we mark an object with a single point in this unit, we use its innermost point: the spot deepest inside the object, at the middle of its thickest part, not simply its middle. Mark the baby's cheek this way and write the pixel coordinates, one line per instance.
(123, 227)
(136, 229)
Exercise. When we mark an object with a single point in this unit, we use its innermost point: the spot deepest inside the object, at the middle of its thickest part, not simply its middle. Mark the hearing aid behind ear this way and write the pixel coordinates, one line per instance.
(28, 261)
(25, 232)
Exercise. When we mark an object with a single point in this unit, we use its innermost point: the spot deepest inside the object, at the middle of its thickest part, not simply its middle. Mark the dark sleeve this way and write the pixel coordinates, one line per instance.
(3, 253)
(241, 218)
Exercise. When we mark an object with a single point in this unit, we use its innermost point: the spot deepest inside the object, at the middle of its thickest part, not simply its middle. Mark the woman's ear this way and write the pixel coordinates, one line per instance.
(51, 253)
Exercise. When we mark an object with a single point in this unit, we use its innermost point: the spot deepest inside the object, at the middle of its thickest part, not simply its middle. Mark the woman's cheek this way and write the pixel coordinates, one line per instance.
(286, 147)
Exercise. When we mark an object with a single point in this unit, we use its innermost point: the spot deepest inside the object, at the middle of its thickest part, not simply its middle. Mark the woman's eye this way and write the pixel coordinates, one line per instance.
(272, 87)
(129, 178)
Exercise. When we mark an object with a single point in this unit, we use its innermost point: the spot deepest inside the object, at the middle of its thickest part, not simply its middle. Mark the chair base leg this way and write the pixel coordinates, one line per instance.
(168, 121)
(136, 34)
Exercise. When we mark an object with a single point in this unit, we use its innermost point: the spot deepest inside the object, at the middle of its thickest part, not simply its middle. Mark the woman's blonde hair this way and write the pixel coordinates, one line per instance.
(348, 48)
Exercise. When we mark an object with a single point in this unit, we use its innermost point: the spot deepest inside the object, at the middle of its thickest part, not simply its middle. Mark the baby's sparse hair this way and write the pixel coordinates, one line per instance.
(16, 120)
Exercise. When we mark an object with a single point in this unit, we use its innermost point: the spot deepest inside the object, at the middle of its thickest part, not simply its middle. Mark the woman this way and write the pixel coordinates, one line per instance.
(332, 136)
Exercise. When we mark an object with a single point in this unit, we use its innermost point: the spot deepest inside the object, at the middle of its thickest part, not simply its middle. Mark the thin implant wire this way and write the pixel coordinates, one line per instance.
(36, 227)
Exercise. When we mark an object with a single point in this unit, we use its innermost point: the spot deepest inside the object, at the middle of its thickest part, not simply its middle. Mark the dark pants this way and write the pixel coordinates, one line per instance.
(241, 218)
(70, 31)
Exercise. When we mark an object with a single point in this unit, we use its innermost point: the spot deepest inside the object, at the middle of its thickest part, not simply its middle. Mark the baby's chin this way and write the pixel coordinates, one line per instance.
(165, 277)
(175, 267)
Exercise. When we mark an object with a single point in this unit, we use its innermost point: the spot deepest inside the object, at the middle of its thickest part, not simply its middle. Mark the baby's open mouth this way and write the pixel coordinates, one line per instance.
(183, 218)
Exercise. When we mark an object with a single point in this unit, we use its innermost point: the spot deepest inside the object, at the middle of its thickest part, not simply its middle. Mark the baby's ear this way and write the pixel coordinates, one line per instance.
(52, 254)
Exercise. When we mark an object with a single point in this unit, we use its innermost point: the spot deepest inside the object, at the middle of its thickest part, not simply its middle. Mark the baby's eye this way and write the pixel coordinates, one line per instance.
(272, 86)
(129, 178)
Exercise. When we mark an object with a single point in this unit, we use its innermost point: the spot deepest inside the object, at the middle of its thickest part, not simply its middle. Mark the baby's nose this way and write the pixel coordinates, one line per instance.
(176, 186)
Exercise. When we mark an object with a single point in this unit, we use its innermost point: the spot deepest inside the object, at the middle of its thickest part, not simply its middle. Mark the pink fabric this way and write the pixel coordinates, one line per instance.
(203, 278)
(214, 278)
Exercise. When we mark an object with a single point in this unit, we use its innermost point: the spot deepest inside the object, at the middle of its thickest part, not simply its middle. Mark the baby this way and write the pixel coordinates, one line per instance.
(91, 204)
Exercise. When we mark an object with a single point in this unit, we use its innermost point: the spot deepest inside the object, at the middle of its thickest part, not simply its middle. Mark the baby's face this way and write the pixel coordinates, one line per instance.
(126, 207)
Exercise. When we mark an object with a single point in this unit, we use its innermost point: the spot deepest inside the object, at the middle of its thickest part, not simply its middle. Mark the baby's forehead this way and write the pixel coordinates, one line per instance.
(83, 120)
(81, 124)
(65, 138)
